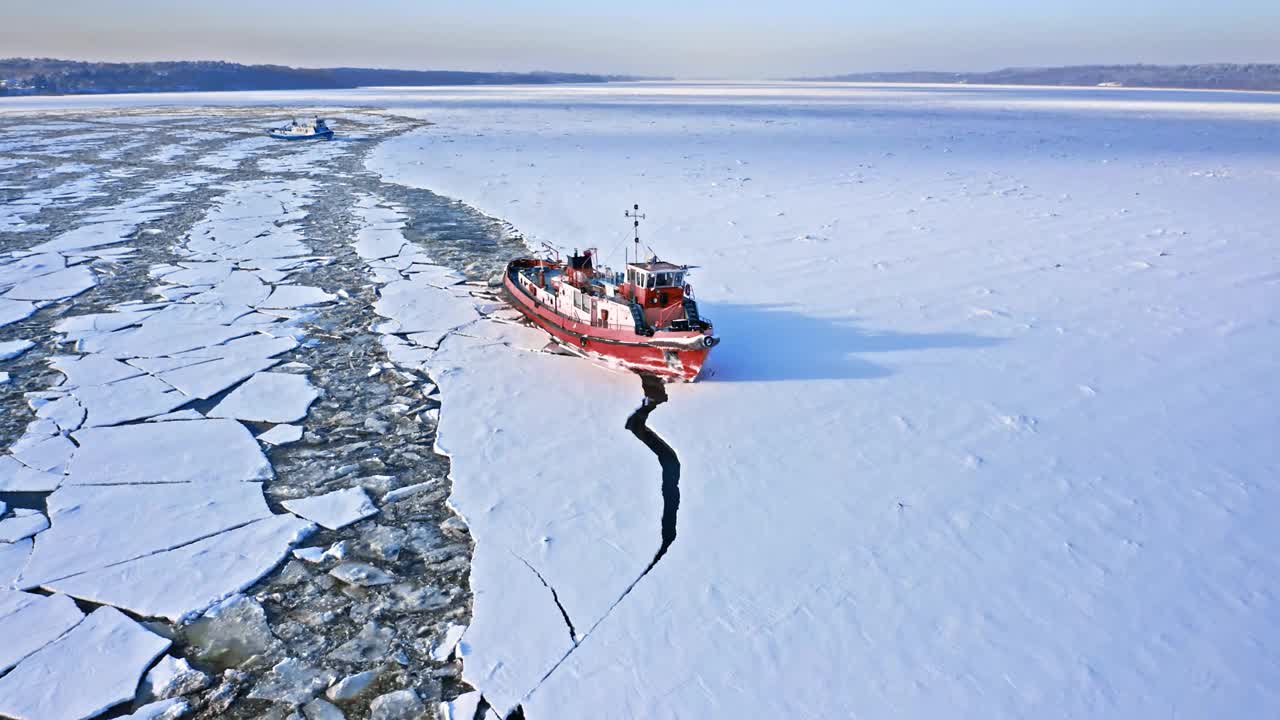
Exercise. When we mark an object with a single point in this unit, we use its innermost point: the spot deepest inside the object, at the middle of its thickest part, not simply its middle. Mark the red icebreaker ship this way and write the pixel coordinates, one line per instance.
(645, 319)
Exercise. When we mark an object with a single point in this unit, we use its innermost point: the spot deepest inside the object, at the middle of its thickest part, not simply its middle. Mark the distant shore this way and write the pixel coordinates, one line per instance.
(1211, 76)
(46, 76)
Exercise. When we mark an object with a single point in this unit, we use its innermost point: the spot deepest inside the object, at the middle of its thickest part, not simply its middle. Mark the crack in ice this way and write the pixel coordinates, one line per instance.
(655, 395)
(555, 597)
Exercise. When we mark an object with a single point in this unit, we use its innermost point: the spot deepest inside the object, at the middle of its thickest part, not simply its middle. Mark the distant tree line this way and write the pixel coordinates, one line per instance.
(44, 76)
(1220, 76)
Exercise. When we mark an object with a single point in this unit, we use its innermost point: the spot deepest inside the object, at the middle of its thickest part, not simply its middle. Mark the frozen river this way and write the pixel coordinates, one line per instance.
(989, 434)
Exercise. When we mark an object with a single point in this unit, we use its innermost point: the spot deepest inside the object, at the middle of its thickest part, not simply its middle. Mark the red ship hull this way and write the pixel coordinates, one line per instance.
(668, 355)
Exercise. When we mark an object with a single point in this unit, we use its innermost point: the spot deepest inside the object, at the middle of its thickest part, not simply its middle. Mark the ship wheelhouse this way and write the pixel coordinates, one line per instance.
(655, 284)
(658, 289)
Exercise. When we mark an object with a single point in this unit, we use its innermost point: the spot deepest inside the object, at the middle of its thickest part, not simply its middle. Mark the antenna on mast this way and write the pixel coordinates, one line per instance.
(635, 215)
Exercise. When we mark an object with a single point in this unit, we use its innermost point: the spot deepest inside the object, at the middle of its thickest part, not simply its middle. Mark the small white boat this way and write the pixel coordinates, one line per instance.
(314, 130)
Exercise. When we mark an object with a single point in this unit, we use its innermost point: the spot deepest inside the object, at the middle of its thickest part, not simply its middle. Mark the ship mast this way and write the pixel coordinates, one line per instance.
(635, 215)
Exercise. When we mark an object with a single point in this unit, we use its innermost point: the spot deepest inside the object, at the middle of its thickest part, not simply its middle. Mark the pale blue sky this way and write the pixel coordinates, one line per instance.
(744, 39)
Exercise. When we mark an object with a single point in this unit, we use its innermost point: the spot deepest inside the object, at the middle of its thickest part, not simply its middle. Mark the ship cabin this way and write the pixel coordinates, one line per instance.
(658, 288)
(654, 284)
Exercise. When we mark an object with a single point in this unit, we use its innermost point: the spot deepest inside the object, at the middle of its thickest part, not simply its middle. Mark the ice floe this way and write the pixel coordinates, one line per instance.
(178, 415)
(22, 525)
(334, 510)
(361, 574)
(293, 682)
(13, 557)
(203, 378)
(351, 686)
(462, 707)
(12, 311)
(66, 412)
(170, 677)
(135, 398)
(90, 370)
(233, 153)
(282, 435)
(17, 477)
(423, 311)
(33, 622)
(159, 338)
(14, 348)
(78, 327)
(181, 583)
(268, 397)
(452, 636)
(12, 600)
(309, 554)
(85, 672)
(407, 491)
(170, 709)
(86, 523)
(295, 296)
(41, 450)
(232, 631)
(211, 450)
(378, 243)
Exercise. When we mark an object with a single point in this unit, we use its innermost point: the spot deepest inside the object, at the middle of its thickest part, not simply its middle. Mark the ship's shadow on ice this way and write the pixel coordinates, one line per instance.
(769, 343)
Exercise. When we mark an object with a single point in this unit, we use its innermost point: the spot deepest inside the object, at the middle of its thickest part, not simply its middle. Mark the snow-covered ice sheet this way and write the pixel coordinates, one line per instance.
(334, 510)
(988, 434)
(90, 669)
(492, 392)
